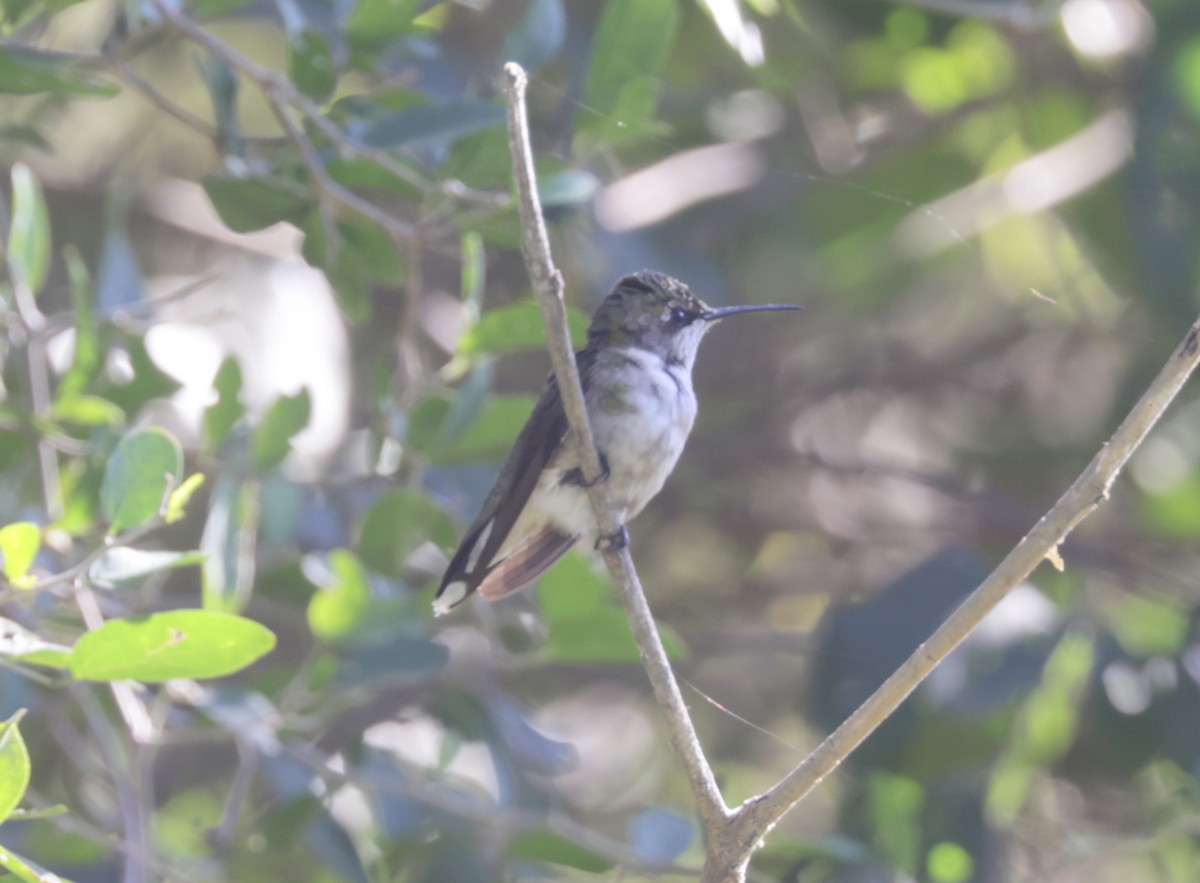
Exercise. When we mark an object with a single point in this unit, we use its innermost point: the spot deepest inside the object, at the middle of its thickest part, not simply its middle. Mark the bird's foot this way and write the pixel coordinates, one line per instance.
(612, 542)
(575, 476)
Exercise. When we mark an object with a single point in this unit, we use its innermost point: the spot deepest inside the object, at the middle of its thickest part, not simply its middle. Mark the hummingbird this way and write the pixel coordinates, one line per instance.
(636, 373)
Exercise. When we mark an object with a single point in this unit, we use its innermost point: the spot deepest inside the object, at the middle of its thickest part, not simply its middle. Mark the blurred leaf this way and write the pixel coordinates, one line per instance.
(87, 410)
(181, 496)
(137, 476)
(466, 405)
(481, 161)
(396, 660)
(286, 417)
(538, 35)
(895, 805)
(949, 863)
(222, 86)
(546, 846)
(29, 232)
(474, 272)
(341, 603)
(433, 124)
(516, 327)
(632, 41)
(26, 71)
(14, 765)
(164, 646)
(363, 173)
(248, 204)
(19, 544)
(221, 415)
(228, 544)
(583, 622)
(17, 642)
(1147, 627)
(148, 379)
(1175, 512)
(311, 64)
(424, 421)
(119, 279)
(25, 870)
(26, 135)
(121, 566)
(397, 523)
(375, 22)
(491, 435)
(659, 836)
(568, 187)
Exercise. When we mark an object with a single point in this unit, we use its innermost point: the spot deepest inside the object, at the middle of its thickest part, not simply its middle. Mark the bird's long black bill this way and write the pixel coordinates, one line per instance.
(714, 315)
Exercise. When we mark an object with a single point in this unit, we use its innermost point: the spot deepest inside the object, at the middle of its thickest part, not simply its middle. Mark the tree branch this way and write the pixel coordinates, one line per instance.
(548, 286)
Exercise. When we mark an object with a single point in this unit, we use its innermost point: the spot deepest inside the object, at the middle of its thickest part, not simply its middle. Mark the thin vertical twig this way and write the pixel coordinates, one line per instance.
(548, 286)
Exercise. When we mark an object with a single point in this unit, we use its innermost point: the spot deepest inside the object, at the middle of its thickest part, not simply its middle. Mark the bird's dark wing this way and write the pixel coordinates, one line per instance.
(536, 444)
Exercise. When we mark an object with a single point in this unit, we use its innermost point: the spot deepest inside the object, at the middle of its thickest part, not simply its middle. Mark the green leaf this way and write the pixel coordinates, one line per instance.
(538, 35)
(248, 204)
(121, 566)
(228, 543)
(29, 233)
(181, 496)
(396, 525)
(584, 623)
(375, 22)
(311, 64)
(222, 85)
(87, 410)
(14, 765)
(516, 327)
(19, 544)
(343, 601)
(272, 439)
(25, 870)
(568, 187)
(17, 642)
(424, 421)
(632, 41)
(546, 846)
(221, 415)
(25, 71)
(492, 434)
(175, 644)
(433, 124)
(136, 479)
(363, 173)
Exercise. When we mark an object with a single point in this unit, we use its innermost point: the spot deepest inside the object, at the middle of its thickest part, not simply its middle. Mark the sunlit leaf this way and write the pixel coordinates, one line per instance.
(122, 566)
(340, 604)
(181, 496)
(87, 410)
(14, 765)
(137, 477)
(29, 230)
(272, 439)
(175, 644)
(547, 846)
(568, 187)
(19, 544)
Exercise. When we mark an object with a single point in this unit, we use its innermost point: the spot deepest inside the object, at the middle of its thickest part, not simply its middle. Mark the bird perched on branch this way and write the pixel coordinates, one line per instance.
(636, 373)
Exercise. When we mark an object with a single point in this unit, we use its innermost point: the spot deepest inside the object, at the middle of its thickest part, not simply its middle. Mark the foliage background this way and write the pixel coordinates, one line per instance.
(990, 210)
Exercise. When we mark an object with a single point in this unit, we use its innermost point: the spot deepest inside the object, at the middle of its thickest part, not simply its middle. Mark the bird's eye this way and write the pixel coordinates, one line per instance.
(679, 317)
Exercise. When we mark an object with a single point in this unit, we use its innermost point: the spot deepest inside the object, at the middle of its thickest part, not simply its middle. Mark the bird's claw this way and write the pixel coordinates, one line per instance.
(575, 476)
(612, 542)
